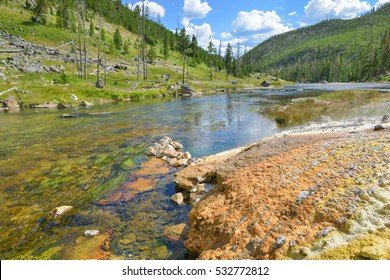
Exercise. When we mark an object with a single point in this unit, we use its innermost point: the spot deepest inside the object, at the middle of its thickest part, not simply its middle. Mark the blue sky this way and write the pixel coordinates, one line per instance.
(249, 21)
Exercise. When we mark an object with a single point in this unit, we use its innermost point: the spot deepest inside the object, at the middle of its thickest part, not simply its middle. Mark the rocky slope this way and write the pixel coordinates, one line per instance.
(307, 196)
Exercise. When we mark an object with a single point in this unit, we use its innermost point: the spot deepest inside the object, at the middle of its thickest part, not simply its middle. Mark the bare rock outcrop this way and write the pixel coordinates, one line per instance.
(321, 196)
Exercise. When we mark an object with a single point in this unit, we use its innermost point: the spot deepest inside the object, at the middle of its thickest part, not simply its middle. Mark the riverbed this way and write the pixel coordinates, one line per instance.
(47, 161)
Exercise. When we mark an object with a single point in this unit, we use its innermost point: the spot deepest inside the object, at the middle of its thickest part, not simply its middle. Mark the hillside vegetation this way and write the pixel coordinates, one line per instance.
(57, 28)
(334, 50)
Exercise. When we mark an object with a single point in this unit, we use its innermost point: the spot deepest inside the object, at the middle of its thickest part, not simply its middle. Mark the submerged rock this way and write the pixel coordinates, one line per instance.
(91, 232)
(86, 103)
(178, 198)
(60, 211)
(176, 233)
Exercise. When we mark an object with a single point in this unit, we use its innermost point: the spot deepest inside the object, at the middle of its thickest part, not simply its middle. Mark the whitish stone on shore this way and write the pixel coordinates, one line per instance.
(60, 211)
(178, 198)
(91, 232)
(74, 97)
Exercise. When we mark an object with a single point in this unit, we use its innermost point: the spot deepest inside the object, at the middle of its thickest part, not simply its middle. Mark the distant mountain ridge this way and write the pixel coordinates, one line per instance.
(333, 50)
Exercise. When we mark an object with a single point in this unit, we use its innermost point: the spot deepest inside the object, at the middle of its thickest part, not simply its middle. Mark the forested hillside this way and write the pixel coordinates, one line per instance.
(334, 50)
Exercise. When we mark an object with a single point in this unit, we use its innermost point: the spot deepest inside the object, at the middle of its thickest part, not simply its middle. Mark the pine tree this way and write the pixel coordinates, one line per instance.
(117, 38)
(211, 51)
(91, 28)
(184, 42)
(228, 60)
(166, 46)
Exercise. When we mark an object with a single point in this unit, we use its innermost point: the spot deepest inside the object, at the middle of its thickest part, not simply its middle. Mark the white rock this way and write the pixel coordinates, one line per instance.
(60, 211)
(177, 145)
(91, 232)
(74, 97)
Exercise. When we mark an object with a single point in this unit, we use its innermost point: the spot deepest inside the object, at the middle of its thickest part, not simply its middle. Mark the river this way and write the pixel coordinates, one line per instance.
(47, 161)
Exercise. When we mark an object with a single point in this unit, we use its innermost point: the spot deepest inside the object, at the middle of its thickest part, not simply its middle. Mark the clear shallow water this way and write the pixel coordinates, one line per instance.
(47, 161)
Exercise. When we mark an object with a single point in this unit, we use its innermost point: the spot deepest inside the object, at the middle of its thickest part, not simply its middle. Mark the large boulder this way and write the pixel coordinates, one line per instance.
(386, 119)
(186, 90)
(265, 84)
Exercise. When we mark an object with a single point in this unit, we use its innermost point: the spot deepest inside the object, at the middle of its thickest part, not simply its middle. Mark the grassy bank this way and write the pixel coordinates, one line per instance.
(336, 105)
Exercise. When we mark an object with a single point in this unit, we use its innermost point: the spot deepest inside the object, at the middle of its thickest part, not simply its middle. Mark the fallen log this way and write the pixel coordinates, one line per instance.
(8, 90)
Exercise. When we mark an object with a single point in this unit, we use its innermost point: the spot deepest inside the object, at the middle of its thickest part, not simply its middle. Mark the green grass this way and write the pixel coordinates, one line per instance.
(336, 104)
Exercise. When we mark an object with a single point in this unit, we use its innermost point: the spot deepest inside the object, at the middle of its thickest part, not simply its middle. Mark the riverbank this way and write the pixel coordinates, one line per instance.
(303, 195)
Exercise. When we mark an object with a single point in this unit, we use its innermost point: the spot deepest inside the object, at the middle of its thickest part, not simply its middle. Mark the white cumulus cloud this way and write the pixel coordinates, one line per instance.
(293, 14)
(155, 9)
(380, 3)
(226, 35)
(196, 9)
(318, 10)
(203, 32)
(258, 26)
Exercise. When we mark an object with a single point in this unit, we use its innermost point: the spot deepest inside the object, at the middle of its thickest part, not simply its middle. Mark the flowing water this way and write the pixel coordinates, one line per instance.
(93, 162)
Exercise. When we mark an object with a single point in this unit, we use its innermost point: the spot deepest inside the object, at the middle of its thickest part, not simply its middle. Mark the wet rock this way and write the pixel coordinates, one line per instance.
(177, 145)
(323, 119)
(86, 103)
(62, 106)
(178, 198)
(67, 116)
(379, 127)
(91, 232)
(386, 119)
(74, 97)
(151, 151)
(11, 103)
(186, 156)
(265, 84)
(165, 141)
(47, 105)
(176, 233)
(60, 211)
(169, 151)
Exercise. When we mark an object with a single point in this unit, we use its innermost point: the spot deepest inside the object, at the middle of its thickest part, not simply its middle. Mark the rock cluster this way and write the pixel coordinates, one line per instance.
(170, 152)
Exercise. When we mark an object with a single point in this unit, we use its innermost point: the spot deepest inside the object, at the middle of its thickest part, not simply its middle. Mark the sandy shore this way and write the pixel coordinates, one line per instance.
(318, 192)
